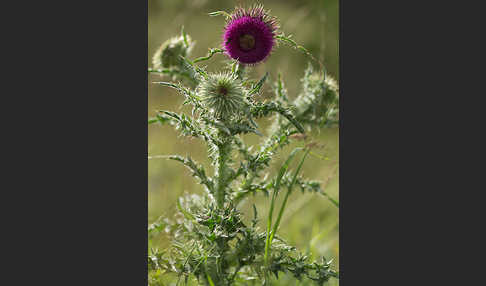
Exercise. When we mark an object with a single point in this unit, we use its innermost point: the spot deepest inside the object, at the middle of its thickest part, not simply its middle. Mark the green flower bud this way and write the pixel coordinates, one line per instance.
(319, 101)
(168, 55)
(223, 95)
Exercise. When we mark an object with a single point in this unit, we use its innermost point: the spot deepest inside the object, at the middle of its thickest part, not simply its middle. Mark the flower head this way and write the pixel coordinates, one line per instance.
(249, 35)
(319, 100)
(223, 95)
(168, 54)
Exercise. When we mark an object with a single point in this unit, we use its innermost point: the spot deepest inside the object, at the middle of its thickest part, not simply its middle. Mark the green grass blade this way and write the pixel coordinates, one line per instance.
(281, 173)
(285, 166)
(289, 190)
(209, 279)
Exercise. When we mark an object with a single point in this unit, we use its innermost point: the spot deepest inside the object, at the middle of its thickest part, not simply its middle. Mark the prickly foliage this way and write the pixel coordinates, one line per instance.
(211, 244)
(318, 103)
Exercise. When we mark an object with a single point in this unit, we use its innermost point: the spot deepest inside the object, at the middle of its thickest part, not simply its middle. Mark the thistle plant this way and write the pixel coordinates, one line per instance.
(211, 244)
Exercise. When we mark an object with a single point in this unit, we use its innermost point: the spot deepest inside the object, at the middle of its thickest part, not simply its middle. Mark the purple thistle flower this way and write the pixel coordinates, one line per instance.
(249, 35)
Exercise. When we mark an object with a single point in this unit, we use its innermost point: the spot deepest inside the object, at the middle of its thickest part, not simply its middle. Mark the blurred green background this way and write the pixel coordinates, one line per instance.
(310, 222)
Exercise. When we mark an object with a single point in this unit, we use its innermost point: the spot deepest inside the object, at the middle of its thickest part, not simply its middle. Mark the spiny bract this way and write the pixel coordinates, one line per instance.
(169, 53)
(223, 95)
(319, 101)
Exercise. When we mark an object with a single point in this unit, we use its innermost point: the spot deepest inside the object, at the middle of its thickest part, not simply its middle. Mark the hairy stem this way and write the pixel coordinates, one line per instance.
(224, 151)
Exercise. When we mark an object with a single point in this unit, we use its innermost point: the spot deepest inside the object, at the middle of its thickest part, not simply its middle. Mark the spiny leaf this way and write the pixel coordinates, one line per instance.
(259, 85)
(159, 118)
(195, 71)
(255, 216)
(197, 170)
(186, 214)
(211, 52)
(280, 90)
(220, 13)
(187, 93)
(292, 43)
(166, 71)
(184, 36)
(263, 109)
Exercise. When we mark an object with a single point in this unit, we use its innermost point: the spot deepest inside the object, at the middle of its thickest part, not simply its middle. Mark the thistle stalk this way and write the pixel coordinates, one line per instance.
(224, 150)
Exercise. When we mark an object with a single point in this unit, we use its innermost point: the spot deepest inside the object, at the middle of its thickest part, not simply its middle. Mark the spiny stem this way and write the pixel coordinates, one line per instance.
(160, 70)
(238, 69)
(240, 196)
(294, 44)
(172, 72)
(336, 203)
(224, 151)
(220, 190)
(210, 55)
